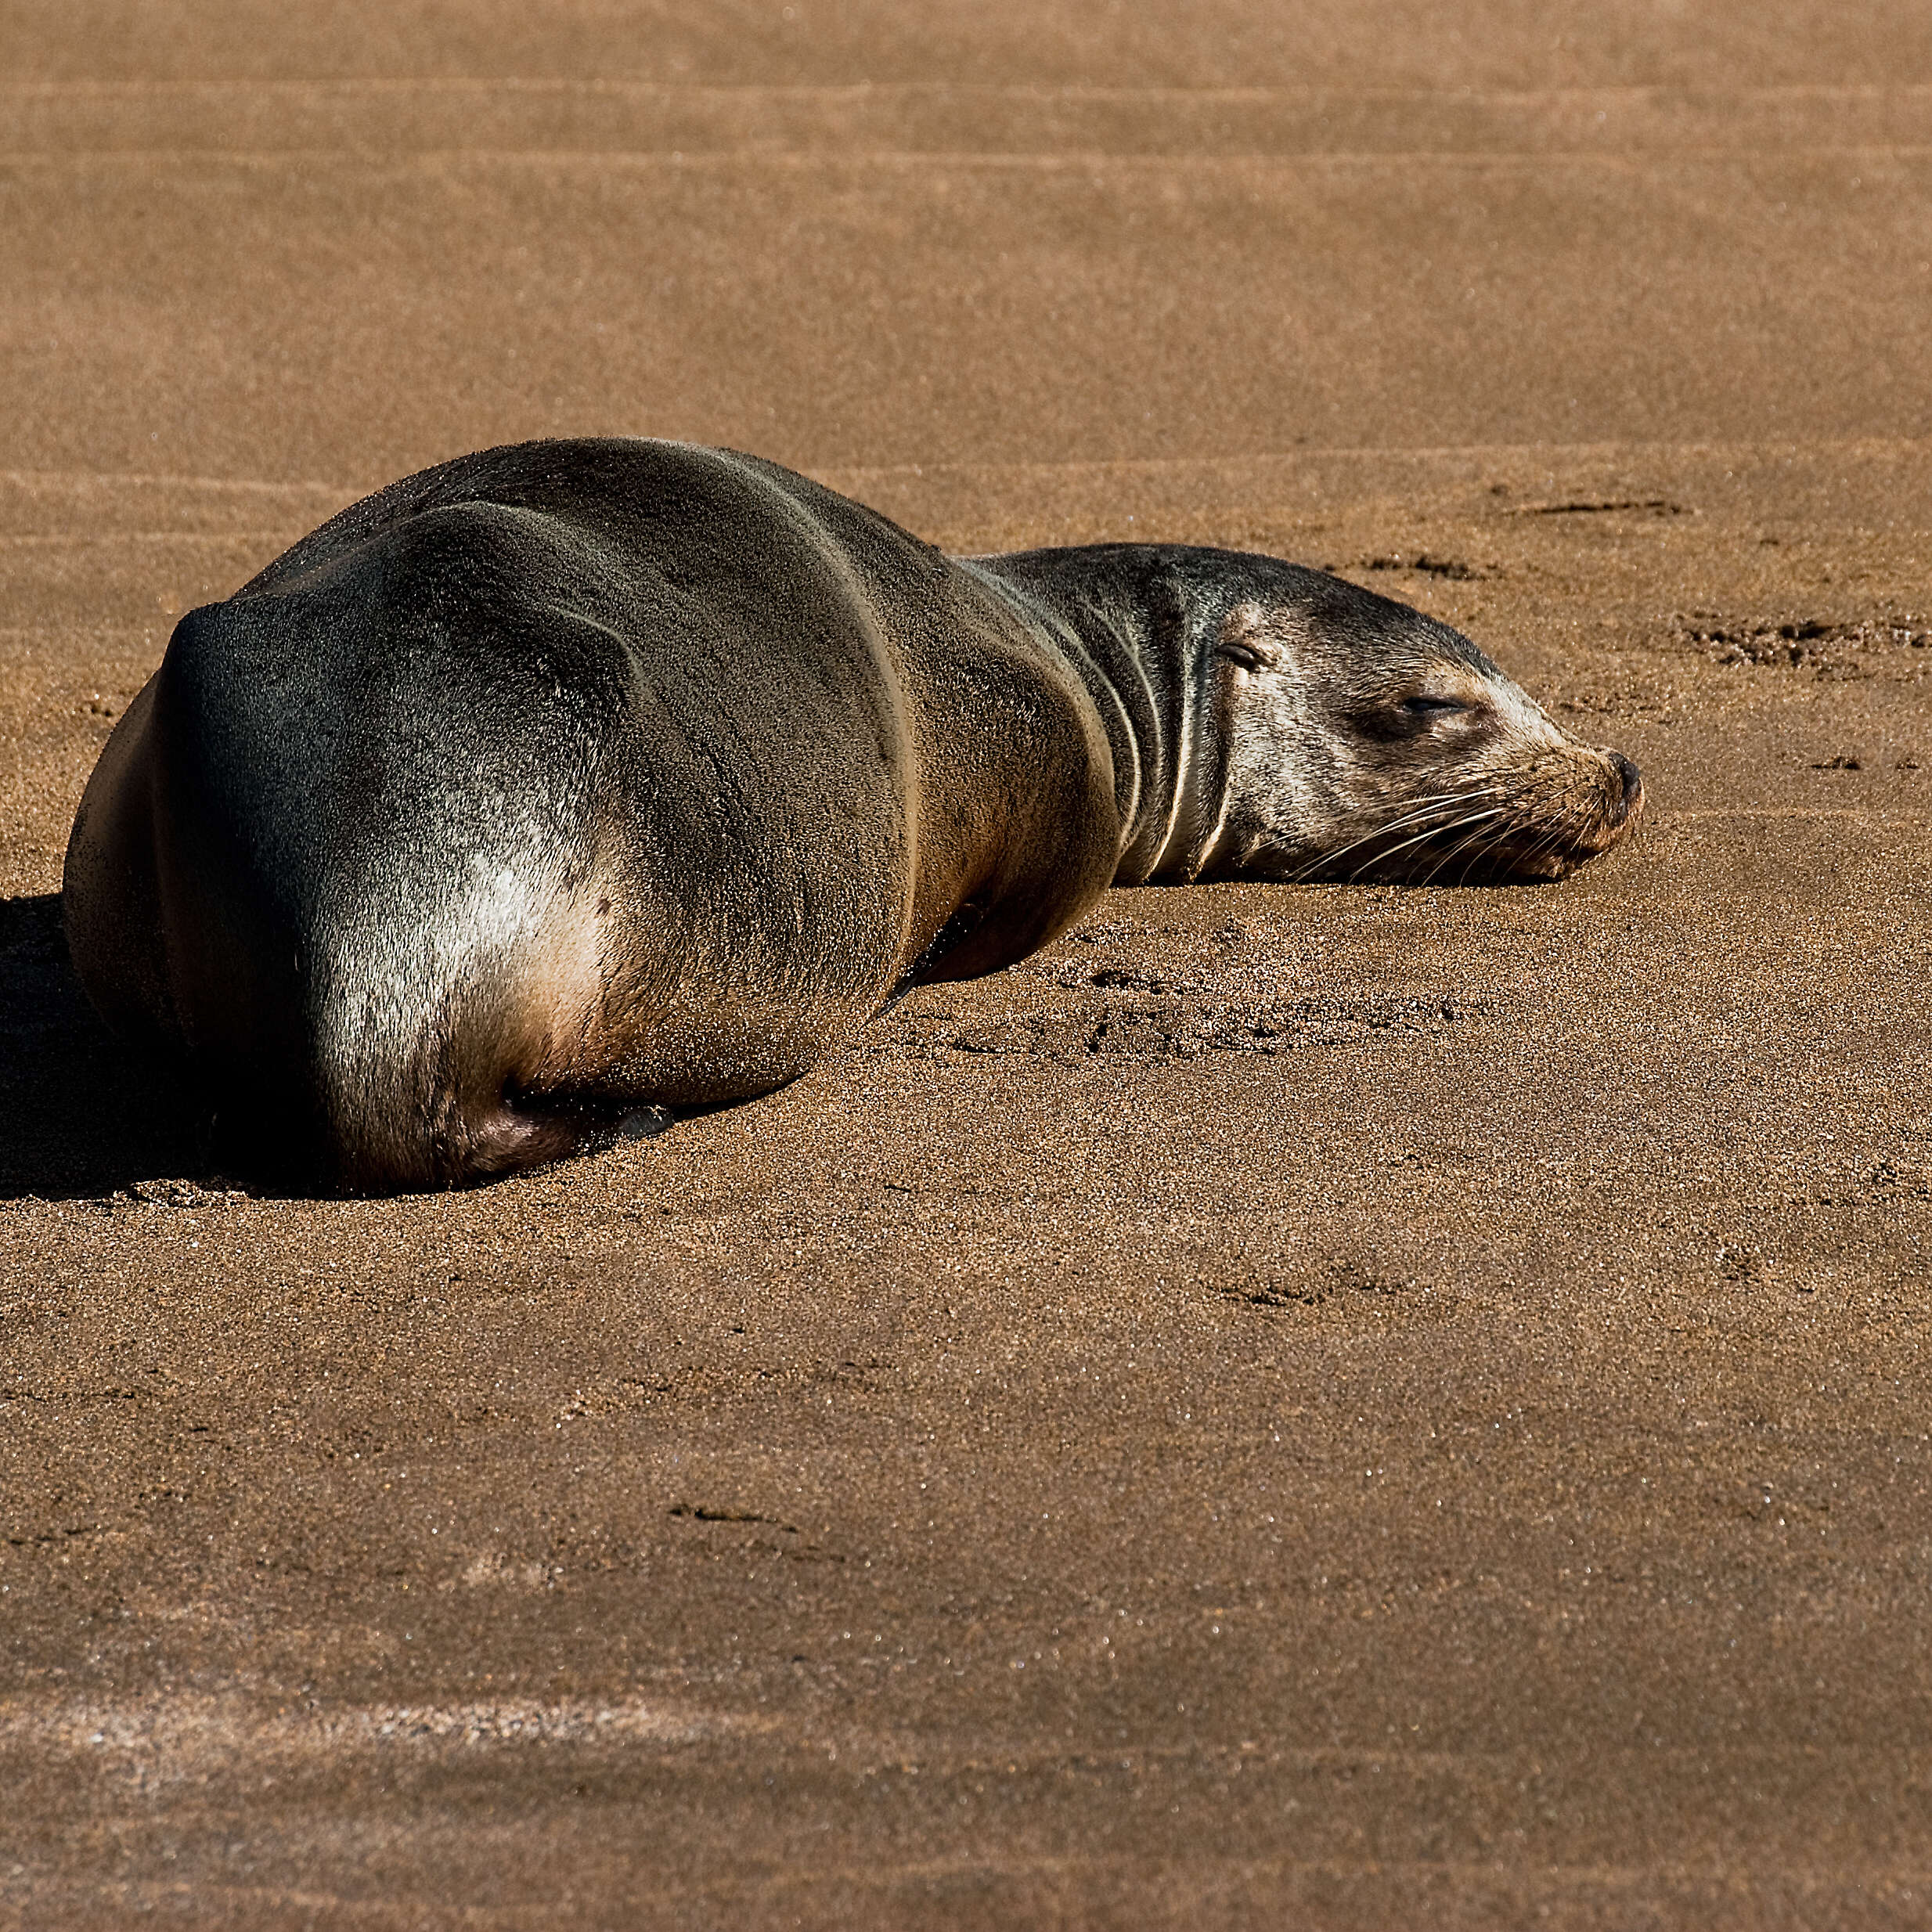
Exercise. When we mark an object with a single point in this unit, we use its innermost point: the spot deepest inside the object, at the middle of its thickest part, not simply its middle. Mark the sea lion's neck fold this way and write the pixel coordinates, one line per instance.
(1122, 618)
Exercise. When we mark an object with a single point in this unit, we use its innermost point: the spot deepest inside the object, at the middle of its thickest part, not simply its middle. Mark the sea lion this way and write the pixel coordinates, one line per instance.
(573, 778)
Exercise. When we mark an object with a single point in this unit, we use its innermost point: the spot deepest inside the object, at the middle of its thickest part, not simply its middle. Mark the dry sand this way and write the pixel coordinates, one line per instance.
(1335, 1408)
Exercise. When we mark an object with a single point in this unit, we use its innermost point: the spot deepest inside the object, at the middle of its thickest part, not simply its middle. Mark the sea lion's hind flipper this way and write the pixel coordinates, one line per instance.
(517, 1135)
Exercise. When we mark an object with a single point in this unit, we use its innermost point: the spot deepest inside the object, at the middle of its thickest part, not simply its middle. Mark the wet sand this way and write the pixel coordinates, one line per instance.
(1323, 1406)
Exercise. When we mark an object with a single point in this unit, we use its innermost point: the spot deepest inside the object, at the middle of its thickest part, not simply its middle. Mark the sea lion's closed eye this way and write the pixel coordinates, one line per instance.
(1249, 655)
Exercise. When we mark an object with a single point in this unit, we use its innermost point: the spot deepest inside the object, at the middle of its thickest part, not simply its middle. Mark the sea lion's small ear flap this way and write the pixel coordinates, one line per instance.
(1244, 639)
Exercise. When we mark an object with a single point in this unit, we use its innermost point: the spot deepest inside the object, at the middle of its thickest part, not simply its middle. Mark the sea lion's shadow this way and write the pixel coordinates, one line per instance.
(80, 1115)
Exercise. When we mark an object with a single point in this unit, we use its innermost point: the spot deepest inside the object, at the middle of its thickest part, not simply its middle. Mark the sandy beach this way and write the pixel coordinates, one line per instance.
(1337, 1406)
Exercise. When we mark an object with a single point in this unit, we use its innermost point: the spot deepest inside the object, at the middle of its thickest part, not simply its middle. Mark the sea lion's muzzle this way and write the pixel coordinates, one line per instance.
(1564, 819)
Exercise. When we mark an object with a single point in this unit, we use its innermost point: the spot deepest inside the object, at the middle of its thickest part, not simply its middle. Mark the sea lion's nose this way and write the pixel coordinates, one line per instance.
(1632, 780)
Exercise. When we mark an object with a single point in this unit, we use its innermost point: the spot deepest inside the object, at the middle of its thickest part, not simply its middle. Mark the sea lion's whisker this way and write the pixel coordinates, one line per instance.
(1562, 826)
(1543, 829)
(1475, 819)
(1473, 830)
(1437, 805)
(1325, 863)
(1310, 866)
(1463, 844)
(1434, 832)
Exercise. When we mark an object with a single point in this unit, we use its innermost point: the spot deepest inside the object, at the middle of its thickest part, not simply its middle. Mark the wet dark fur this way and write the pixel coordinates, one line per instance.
(570, 778)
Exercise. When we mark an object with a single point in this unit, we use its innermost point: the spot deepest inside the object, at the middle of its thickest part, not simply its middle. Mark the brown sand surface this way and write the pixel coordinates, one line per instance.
(1319, 1407)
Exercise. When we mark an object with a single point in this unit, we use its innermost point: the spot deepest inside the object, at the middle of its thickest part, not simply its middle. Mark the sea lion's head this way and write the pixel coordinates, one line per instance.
(1364, 740)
